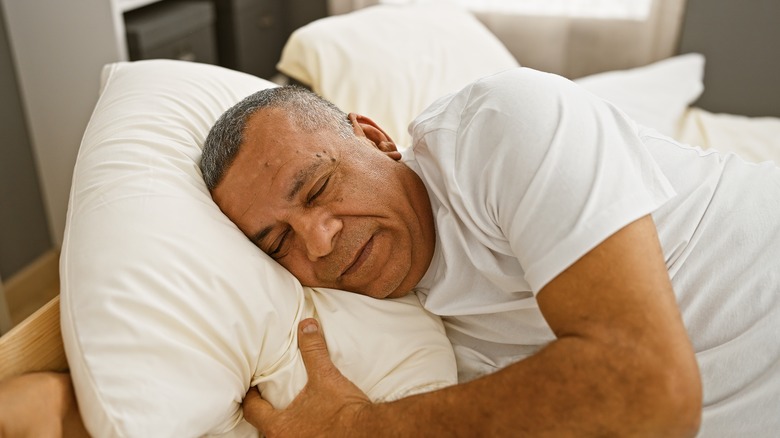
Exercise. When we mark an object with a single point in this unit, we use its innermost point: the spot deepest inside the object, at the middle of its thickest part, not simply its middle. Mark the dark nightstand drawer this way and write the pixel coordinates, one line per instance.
(174, 30)
(250, 35)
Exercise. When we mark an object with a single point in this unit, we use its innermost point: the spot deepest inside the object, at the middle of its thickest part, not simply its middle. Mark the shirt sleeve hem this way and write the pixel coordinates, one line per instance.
(598, 228)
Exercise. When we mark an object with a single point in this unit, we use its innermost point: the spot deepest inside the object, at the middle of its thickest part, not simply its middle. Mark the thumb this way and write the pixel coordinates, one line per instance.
(256, 410)
(314, 350)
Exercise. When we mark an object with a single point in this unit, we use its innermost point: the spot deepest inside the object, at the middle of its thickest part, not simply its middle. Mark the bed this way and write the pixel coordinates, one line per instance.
(152, 348)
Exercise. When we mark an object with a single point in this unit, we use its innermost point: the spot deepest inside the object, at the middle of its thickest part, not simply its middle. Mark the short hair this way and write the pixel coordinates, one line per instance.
(308, 111)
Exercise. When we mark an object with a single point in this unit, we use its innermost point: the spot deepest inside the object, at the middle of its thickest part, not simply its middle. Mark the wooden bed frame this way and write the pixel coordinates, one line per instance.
(35, 344)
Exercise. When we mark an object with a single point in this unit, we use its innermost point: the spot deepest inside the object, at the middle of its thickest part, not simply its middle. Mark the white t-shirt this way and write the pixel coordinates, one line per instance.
(527, 172)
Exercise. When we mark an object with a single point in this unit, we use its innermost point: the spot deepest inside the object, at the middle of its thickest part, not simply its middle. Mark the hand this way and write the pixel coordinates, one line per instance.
(40, 405)
(329, 404)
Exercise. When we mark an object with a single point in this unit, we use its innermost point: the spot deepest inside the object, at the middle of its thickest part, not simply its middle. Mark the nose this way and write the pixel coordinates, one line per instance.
(317, 228)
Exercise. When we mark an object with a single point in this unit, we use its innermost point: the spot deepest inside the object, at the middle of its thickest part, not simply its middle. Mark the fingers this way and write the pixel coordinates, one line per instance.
(314, 350)
(261, 414)
(324, 406)
(256, 410)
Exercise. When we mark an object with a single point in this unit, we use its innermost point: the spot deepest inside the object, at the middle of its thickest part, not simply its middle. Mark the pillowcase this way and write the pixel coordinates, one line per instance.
(169, 313)
(389, 62)
(655, 95)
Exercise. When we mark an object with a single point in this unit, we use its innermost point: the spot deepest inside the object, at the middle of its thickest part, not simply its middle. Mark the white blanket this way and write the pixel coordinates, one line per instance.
(753, 138)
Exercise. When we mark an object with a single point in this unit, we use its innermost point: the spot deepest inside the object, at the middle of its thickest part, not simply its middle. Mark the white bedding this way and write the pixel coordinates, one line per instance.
(662, 96)
(755, 139)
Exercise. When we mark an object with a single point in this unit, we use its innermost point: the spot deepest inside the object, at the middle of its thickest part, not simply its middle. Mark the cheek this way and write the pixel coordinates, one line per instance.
(368, 183)
(393, 271)
(300, 268)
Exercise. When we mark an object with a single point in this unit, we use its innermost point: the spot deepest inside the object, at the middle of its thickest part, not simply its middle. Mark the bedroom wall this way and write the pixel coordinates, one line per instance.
(59, 49)
(739, 41)
(336, 7)
(5, 314)
(24, 233)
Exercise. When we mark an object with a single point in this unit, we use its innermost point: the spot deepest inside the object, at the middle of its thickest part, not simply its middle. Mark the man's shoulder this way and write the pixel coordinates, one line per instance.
(441, 114)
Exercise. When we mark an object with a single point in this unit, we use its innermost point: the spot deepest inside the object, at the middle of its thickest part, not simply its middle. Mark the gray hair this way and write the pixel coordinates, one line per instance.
(308, 111)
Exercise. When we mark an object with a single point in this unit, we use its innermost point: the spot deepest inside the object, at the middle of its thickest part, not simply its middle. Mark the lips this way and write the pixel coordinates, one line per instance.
(360, 257)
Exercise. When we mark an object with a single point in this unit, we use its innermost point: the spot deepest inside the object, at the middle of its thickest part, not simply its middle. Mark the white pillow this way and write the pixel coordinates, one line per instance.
(389, 62)
(169, 313)
(655, 95)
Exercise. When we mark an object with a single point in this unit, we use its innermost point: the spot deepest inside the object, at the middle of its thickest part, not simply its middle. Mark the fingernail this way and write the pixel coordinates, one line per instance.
(310, 327)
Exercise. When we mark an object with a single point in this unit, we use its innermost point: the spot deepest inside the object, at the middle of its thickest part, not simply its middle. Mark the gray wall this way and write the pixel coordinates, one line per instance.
(24, 233)
(739, 40)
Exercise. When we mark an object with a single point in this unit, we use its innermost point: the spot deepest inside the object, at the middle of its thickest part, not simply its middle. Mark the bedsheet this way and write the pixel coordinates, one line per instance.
(755, 139)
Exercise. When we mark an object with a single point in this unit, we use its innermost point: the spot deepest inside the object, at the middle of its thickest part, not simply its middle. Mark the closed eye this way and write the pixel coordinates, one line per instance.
(319, 191)
(276, 252)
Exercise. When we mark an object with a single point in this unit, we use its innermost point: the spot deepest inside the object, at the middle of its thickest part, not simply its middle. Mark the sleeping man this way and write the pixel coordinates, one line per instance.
(594, 277)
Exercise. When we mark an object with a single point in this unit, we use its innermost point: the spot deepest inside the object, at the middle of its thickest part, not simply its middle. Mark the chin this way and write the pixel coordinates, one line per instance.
(382, 293)
(399, 293)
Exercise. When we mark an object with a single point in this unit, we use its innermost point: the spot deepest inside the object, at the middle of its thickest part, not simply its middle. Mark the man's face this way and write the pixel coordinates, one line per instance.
(337, 213)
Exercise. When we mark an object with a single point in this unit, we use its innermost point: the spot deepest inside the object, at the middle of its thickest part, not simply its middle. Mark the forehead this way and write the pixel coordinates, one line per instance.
(274, 154)
(272, 139)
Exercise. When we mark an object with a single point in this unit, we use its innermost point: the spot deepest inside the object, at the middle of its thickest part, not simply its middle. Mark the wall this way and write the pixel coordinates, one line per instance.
(302, 12)
(5, 314)
(336, 7)
(739, 41)
(24, 233)
(59, 48)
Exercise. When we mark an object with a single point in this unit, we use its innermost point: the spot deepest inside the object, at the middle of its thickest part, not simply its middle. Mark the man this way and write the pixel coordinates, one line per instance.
(528, 215)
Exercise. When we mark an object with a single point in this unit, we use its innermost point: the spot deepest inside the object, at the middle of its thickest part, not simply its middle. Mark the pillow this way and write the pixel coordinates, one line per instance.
(389, 62)
(168, 312)
(655, 95)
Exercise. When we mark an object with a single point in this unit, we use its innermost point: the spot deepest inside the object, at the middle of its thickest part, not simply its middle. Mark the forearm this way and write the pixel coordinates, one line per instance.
(39, 404)
(574, 387)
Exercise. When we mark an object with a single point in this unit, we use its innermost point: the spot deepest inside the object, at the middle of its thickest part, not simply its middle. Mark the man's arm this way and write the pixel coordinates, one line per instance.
(39, 404)
(622, 365)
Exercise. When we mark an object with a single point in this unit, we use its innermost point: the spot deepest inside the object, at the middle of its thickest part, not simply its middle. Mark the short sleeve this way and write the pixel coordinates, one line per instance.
(542, 169)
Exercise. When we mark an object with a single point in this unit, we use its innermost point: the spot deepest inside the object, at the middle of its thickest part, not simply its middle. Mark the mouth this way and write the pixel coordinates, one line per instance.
(360, 257)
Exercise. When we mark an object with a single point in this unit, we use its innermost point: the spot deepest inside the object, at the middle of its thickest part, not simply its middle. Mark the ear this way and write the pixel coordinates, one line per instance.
(362, 126)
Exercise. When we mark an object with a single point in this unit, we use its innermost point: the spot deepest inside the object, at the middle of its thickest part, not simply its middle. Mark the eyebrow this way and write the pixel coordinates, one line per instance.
(299, 181)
